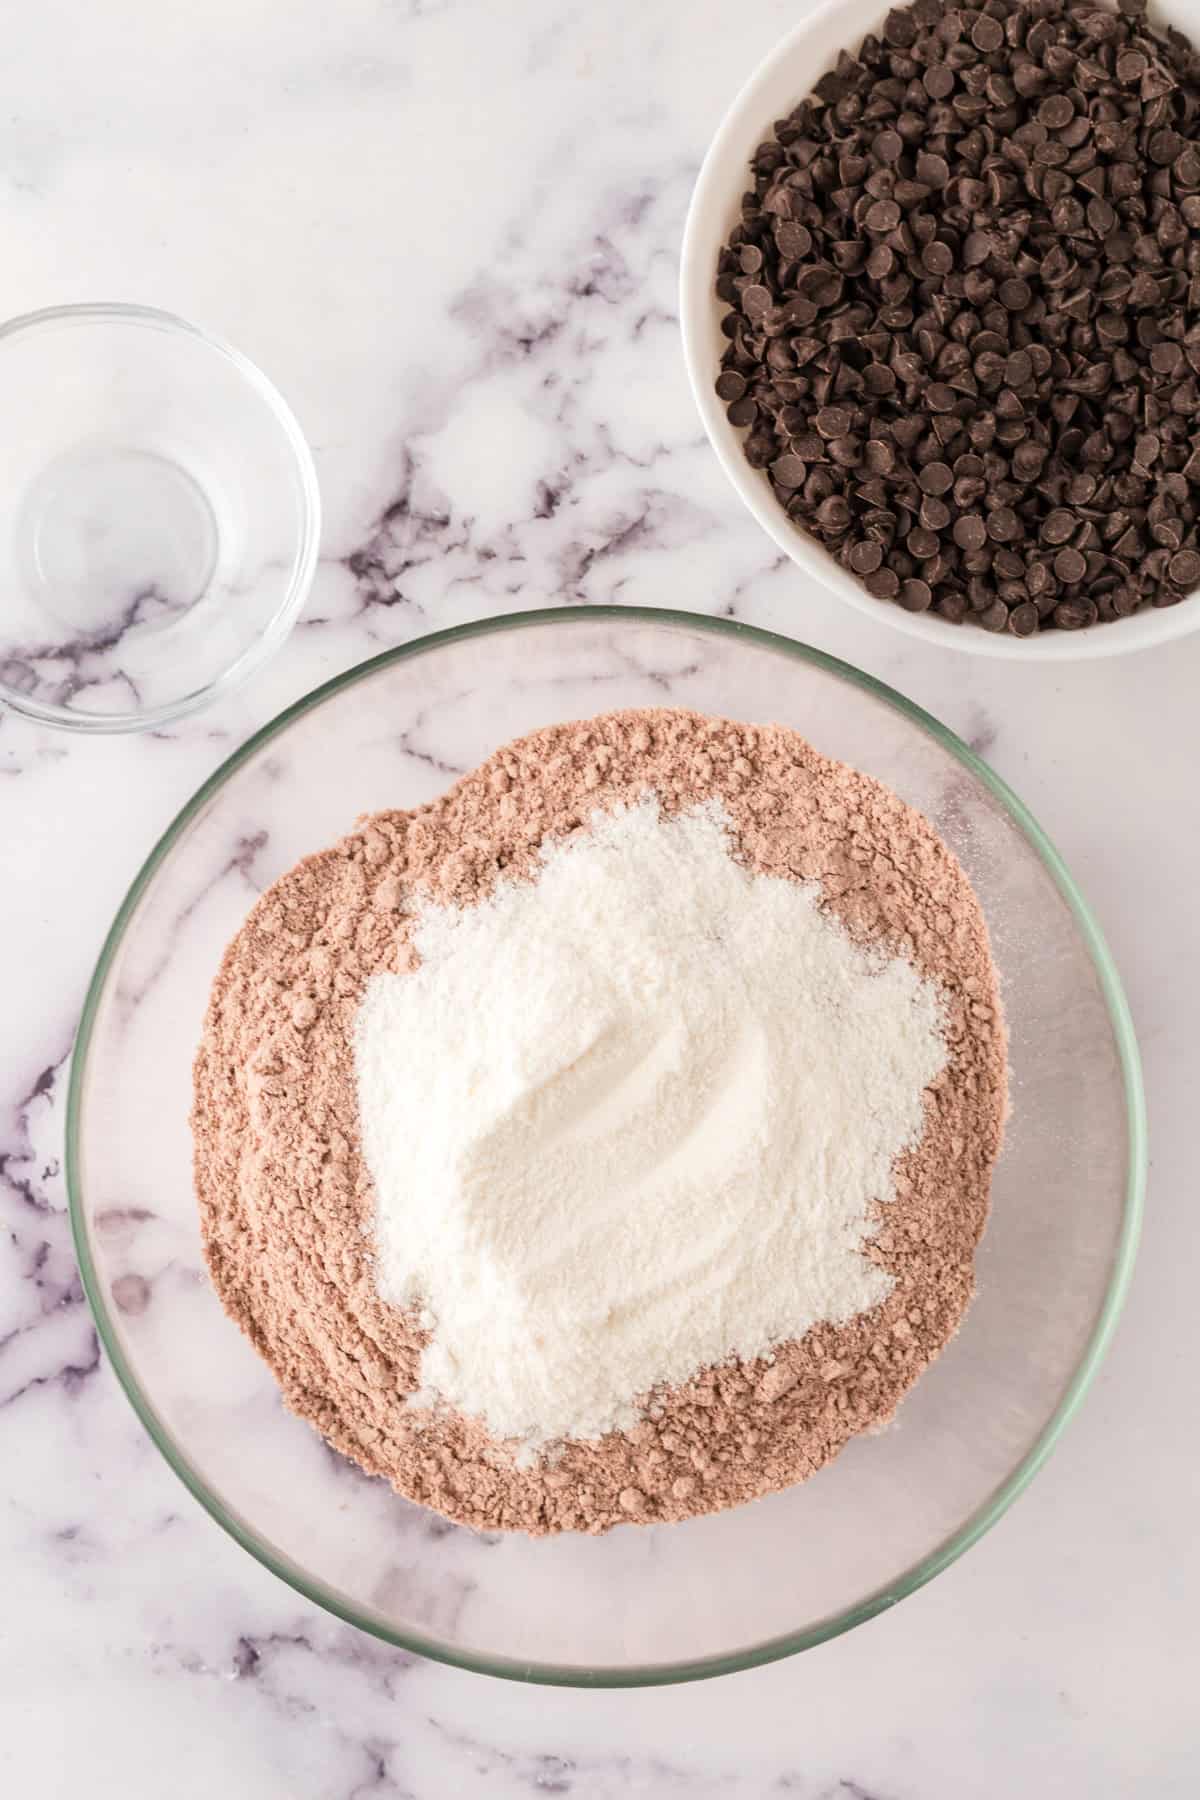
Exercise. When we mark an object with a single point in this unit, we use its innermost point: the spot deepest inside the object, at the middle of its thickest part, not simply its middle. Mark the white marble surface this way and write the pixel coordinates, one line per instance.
(449, 232)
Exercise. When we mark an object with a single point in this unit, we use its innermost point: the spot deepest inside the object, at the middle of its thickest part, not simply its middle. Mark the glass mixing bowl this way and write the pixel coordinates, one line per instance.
(664, 1603)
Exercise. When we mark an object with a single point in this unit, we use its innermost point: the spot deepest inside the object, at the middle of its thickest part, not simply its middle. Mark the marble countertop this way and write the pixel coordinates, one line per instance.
(449, 232)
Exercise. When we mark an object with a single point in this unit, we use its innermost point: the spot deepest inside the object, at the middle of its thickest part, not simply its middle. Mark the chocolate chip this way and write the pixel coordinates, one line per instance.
(1055, 111)
(884, 215)
(1073, 615)
(1015, 295)
(759, 447)
(1164, 146)
(1018, 369)
(935, 478)
(865, 557)
(921, 543)
(884, 584)
(1131, 66)
(952, 606)
(833, 421)
(1184, 569)
(1166, 359)
(821, 287)
(1100, 217)
(987, 34)
(789, 471)
(970, 532)
(1187, 168)
(938, 83)
(1058, 526)
(1003, 525)
(730, 385)
(916, 596)
(1028, 461)
(1070, 566)
(900, 30)
(793, 241)
(833, 514)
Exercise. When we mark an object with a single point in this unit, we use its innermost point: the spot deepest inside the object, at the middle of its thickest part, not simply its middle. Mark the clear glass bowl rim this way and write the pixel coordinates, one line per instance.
(910, 1579)
(307, 548)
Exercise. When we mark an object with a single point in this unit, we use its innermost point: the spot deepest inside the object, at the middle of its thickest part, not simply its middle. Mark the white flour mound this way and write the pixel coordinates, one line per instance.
(629, 1120)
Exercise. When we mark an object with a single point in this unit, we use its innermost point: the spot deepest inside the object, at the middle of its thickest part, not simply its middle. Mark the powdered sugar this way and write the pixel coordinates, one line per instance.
(631, 1120)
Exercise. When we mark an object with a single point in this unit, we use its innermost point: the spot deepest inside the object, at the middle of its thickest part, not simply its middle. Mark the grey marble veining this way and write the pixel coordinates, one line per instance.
(449, 233)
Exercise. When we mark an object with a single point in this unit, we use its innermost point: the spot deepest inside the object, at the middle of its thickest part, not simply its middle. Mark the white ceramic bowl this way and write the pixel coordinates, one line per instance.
(783, 79)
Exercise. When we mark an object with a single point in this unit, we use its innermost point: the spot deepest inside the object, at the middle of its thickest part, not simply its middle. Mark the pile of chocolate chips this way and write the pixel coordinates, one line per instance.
(965, 326)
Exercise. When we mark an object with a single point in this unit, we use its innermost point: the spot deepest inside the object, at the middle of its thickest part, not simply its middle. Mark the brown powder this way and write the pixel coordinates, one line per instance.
(287, 1205)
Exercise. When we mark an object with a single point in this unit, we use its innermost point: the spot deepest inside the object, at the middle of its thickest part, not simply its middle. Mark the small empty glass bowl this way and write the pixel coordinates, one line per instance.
(159, 517)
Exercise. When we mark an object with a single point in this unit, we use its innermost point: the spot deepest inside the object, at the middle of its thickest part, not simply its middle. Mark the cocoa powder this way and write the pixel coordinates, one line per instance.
(286, 1203)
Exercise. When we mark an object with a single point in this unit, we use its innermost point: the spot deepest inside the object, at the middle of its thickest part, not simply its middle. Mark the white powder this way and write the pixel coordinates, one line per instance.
(629, 1120)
